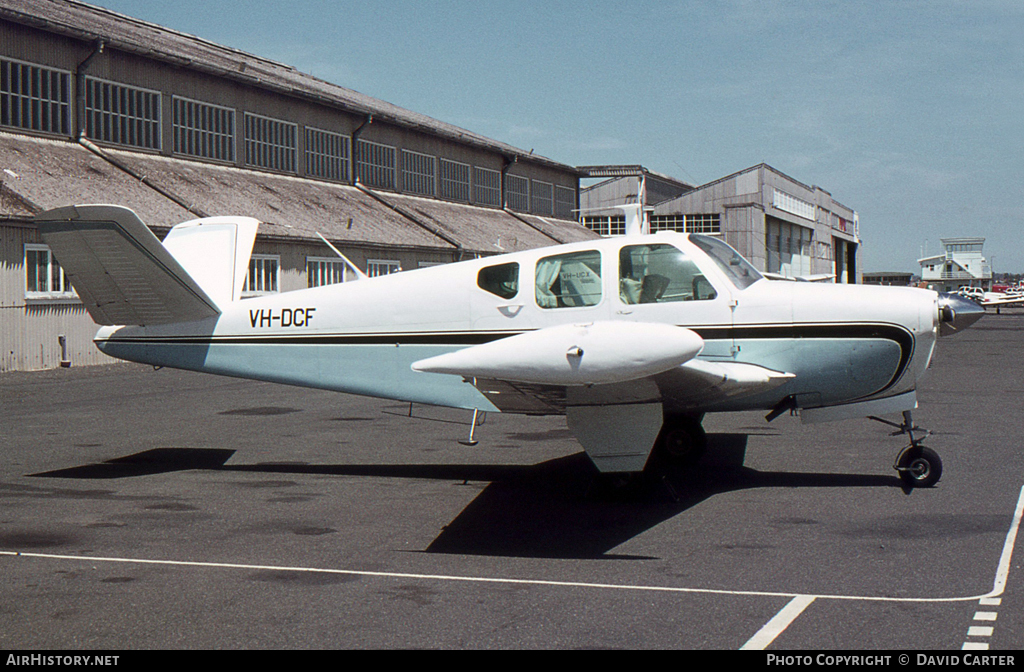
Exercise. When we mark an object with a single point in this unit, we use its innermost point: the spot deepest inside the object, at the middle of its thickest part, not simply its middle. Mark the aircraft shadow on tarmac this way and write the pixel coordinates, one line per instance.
(554, 509)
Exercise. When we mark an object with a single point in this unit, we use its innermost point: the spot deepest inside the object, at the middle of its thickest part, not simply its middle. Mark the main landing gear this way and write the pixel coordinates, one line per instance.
(682, 440)
(918, 465)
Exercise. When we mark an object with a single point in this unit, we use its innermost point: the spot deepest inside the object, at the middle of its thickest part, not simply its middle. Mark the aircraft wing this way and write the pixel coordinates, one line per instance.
(686, 383)
(122, 273)
(1007, 301)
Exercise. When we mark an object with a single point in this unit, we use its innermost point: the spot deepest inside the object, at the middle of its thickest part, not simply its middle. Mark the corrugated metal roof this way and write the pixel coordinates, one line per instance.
(48, 173)
(87, 22)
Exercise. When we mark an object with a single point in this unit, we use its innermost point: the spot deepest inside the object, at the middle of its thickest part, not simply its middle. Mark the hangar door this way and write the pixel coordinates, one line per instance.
(788, 248)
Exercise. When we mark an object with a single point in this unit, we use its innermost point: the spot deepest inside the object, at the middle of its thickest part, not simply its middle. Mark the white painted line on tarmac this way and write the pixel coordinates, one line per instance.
(393, 575)
(1003, 570)
(775, 627)
(764, 637)
(998, 586)
(478, 579)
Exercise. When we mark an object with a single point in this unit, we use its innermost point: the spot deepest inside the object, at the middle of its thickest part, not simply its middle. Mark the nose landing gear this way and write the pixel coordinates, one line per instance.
(918, 465)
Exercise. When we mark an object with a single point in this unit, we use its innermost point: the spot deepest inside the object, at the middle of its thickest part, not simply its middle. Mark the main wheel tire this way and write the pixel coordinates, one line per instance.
(920, 467)
(682, 441)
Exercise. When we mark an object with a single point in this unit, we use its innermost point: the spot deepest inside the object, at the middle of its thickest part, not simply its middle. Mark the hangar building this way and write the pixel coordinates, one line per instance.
(98, 107)
(781, 225)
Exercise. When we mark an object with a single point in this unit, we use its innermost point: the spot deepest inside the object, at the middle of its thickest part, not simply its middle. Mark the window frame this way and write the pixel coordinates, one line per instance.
(44, 114)
(255, 262)
(376, 164)
(216, 144)
(66, 291)
(486, 186)
(419, 173)
(328, 155)
(516, 199)
(374, 266)
(327, 267)
(454, 180)
(270, 143)
(111, 125)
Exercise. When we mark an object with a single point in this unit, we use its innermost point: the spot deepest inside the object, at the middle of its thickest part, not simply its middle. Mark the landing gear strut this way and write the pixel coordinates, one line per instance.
(918, 465)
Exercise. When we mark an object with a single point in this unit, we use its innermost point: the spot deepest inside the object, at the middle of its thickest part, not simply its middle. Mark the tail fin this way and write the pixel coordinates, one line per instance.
(215, 251)
(120, 270)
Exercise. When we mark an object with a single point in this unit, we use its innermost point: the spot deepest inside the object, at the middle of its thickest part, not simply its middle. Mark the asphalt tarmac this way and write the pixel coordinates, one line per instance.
(144, 509)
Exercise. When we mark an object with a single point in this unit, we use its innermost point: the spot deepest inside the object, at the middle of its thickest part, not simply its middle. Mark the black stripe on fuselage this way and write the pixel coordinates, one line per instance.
(898, 334)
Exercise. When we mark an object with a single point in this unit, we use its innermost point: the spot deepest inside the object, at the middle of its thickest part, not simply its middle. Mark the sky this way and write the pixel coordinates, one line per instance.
(910, 112)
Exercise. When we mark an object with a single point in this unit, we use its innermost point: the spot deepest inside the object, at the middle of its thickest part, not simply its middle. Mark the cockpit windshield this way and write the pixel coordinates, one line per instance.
(732, 264)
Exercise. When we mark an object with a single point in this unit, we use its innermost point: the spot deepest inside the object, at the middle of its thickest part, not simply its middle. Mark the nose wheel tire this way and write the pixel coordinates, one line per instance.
(919, 467)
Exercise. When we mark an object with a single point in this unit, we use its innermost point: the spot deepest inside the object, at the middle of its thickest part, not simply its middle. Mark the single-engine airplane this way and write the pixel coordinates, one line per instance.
(996, 299)
(632, 338)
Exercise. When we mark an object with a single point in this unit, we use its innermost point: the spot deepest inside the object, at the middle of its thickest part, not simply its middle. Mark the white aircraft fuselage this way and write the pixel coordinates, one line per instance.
(620, 334)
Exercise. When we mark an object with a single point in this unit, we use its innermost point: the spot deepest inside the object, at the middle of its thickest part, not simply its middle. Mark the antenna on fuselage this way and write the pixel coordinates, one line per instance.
(359, 274)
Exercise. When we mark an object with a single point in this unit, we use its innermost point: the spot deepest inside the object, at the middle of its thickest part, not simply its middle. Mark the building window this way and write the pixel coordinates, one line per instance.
(121, 114)
(327, 155)
(614, 225)
(322, 271)
(543, 201)
(271, 143)
(378, 267)
(793, 205)
(375, 164)
(486, 186)
(44, 278)
(668, 223)
(517, 193)
(454, 180)
(262, 275)
(418, 173)
(565, 202)
(703, 223)
(34, 98)
(203, 130)
(699, 223)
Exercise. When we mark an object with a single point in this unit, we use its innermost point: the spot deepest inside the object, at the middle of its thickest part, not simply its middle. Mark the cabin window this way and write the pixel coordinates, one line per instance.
(660, 274)
(501, 280)
(732, 264)
(569, 280)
